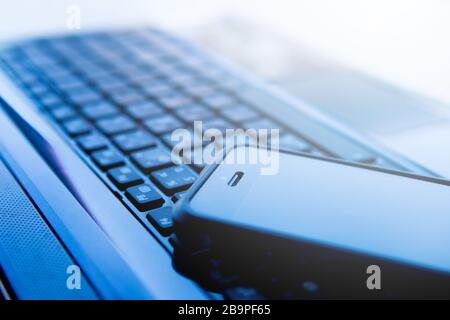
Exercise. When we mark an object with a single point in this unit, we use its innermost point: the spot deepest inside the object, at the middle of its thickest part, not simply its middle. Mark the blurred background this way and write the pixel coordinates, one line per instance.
(404, 42)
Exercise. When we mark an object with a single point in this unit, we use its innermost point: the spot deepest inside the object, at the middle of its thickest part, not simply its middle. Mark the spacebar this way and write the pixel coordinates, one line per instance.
(327, 138)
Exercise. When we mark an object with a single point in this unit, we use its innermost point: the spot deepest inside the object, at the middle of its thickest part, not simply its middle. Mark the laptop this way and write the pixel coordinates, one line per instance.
(87, 182)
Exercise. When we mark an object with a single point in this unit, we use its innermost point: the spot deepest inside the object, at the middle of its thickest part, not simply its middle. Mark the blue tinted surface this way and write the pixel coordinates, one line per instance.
(362, 210)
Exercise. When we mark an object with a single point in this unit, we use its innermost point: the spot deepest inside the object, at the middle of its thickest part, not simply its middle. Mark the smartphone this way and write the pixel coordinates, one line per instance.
(345, 229)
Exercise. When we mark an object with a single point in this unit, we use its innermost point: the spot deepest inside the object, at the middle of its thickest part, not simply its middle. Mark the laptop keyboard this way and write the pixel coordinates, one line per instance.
(116, 97)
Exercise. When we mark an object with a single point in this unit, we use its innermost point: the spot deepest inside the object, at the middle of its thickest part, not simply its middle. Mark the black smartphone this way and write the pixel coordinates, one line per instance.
(343, 229)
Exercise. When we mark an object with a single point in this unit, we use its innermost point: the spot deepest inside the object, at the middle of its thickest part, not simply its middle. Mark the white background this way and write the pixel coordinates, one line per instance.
(406, 42)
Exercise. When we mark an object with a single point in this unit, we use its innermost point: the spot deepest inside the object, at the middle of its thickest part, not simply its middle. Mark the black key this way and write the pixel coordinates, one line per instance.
(82, 95)
(186, 80)
(151, 159)
(171, 68)
(50, 100)
(200, 90)
(90, 68)
(219, 101)
(38, 89)
(143, 109)
(107, 159)
(76, 127)
(150, 80)
(100, 109)
(174, 179)
(162, 124)
(194, 112)
(124, 177)
(68, 82)
(116, 124)
(28, 78)
(162, 220)
(53, 69)
(91, 142)
(157, 88)
(217, 123)
(107, 82)
(175, 100)
(178, 196)
(62, 113)
(133, 141)
(137, 78)
(240, 113)
(126, 96)
(144, 197)
(262, 124)
(134, 72)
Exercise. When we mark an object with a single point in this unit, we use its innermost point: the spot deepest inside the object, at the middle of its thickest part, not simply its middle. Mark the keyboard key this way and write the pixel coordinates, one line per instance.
(124, 177)
(217, 123)
(178, 196)
(194, 112)
(157, 88)
(90, 68)
(134, 72)
(262, 124)
(162, 124)
(162, 220)
(67, 82)
(139, 77)
(151, 159)
(174, 179)
(82, 95)
(76, 127)
(144, 197)
(100, 109)
(63, 113)
(91, 142)
(107, 159)
(38, 89)
(219, 101)
(143, 109)
(133, 141)
(200, 90)
(107, 82)
(126, 96)
(116, 124)
(186, 80)
(175, 100)
(240, 113)
(50, 100)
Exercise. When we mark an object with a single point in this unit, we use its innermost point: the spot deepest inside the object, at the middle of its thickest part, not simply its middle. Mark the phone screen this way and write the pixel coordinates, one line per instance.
(334, 204)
